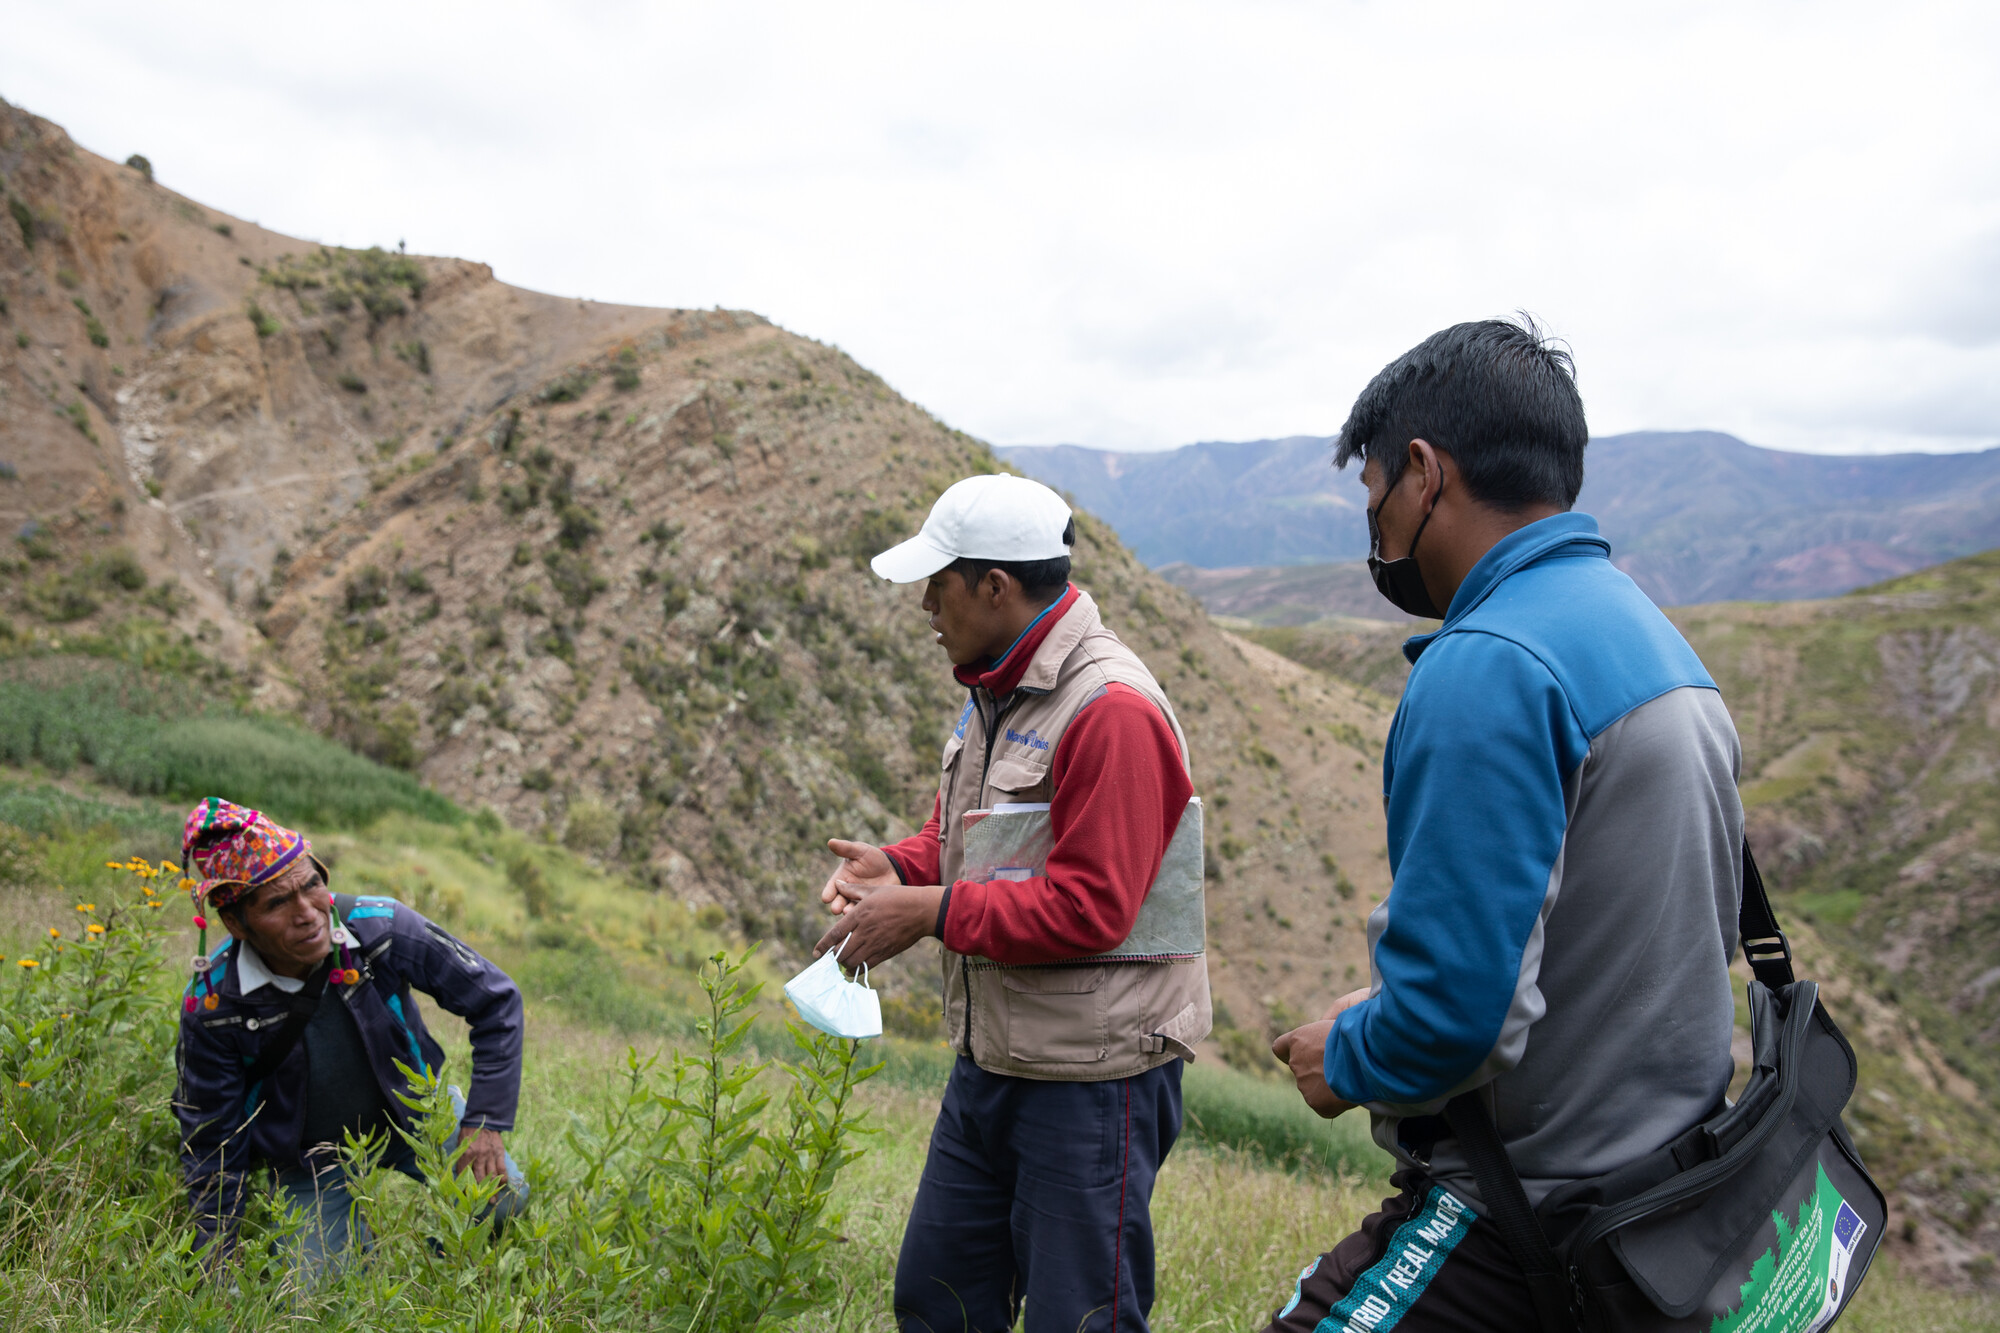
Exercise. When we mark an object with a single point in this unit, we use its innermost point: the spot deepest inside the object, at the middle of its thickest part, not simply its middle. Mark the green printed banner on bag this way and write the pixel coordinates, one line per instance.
(1799, 1288)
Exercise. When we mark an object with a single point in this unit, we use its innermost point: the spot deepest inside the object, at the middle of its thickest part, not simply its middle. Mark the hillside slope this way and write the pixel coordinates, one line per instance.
(599, 568)
(1693, 516)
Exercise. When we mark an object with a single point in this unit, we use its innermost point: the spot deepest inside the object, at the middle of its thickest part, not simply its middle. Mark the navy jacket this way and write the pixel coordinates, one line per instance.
(228, 1127)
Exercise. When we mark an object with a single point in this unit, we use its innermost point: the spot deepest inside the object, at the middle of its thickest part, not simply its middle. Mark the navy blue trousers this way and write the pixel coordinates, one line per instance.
(1038, 1191)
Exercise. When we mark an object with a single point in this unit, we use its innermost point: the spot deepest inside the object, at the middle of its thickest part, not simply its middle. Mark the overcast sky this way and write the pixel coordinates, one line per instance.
(1137, 225)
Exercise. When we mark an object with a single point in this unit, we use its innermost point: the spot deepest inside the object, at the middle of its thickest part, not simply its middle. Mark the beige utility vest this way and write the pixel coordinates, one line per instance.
(1081, 1020)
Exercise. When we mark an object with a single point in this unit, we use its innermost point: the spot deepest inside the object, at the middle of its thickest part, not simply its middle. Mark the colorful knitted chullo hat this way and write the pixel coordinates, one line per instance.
(235, 850)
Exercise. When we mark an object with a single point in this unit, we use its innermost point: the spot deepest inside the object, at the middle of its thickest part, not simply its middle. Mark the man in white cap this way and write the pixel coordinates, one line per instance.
(1074, 977)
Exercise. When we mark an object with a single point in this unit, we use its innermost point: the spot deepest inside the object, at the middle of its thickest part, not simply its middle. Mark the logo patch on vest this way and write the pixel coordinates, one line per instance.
(963, 718)
(1032, 739)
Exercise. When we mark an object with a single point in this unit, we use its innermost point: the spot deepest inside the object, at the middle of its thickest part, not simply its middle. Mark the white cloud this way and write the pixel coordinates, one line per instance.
(1134, 225)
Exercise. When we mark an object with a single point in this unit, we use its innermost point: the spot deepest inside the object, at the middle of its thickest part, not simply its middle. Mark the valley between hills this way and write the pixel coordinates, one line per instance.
(601, 569)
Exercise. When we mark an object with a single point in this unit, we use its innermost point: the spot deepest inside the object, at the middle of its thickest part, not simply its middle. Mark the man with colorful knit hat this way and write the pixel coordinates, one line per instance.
(292, 1028)
(1061, 869)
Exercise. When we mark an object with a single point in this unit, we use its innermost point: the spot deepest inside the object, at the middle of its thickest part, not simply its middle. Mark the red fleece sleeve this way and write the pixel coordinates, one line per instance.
(1120, 792)
(916, 857)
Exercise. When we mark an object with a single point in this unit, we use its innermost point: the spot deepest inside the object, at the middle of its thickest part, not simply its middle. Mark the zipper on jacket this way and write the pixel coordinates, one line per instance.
(992, 725)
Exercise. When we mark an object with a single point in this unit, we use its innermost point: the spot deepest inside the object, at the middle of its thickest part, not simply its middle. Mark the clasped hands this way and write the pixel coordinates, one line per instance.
(879, 915)
(1303, 1051)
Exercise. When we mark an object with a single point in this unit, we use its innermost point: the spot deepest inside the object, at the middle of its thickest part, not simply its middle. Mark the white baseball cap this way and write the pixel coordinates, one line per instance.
(996, 517)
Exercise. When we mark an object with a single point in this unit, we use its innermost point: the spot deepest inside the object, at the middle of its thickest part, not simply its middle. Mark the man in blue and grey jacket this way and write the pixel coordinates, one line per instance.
(292, 1030)
(1564, 834)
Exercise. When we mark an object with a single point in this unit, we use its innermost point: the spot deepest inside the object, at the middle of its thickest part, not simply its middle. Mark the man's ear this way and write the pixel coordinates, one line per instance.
(232, 921)
(1427, 465)
(995, 585)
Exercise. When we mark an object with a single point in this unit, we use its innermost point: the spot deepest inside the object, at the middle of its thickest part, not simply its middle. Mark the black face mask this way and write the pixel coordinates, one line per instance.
(1400, 580)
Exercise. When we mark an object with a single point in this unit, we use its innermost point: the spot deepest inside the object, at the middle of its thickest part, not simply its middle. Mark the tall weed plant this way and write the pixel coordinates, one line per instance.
(694, 1196)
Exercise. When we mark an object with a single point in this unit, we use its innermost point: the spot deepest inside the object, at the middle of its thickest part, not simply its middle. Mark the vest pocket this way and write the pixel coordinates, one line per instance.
(1055, 1015)
(1020, 779)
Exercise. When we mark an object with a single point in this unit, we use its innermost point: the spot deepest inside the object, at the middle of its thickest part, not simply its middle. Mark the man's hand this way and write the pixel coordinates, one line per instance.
(1303, 1050)
(484, 1155)
(1344, 1003)
(880, 921)
(861, 866)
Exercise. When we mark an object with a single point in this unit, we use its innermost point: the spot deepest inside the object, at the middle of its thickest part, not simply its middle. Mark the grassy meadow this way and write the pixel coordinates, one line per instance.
(93, 1232)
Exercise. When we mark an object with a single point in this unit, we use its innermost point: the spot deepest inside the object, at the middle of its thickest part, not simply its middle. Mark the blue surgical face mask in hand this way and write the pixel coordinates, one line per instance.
(830, 1002)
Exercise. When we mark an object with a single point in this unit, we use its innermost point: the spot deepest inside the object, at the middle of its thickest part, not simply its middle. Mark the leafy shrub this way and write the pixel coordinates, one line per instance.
(120, 569)
(528, 880)
(24, 218)
(592, 828)
(518, 498)
(224, 229)
(567, 388)
(579, 524)
(139, 163)
(575, 577)
(81, 1081)
(265, 325)
(368, 588)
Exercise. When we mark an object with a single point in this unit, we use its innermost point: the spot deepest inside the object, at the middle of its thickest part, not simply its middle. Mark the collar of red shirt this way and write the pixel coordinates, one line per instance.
(1002, 676)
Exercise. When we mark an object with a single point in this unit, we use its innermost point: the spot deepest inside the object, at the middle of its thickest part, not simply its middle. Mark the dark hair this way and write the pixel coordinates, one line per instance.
(1041, 580)
(1499, 397)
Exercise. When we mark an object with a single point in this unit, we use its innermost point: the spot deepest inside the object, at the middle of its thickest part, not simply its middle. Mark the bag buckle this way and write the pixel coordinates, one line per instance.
(1768, 949)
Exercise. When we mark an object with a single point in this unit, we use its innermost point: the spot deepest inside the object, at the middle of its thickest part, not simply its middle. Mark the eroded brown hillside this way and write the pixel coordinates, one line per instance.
(599, 568)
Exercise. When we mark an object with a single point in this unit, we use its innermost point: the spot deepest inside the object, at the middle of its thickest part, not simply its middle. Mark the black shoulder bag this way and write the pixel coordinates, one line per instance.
(1760, 1218)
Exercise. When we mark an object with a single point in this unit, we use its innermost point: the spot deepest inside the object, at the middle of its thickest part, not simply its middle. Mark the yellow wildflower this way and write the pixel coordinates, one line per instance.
(113, 865)
(94, 928)
(54, 934)
(29, 962)
(23, 1083)
(86, 907)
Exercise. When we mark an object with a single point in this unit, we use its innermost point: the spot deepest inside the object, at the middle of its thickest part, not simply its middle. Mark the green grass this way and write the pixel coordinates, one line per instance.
(1256, 1187)
(155, 737)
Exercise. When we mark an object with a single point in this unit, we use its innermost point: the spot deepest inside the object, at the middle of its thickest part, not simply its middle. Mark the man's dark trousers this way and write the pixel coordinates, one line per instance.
(1043, 1190)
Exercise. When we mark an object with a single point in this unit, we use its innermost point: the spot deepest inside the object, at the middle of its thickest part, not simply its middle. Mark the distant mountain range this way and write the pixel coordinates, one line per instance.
(1693, 516)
